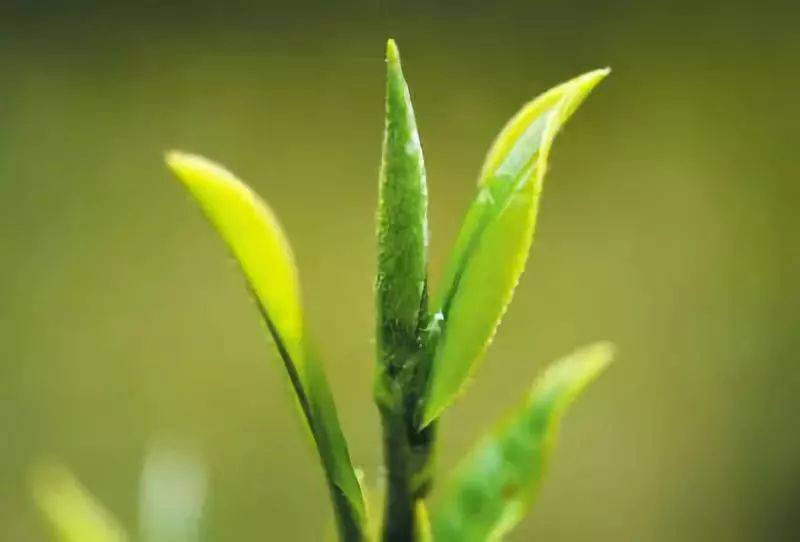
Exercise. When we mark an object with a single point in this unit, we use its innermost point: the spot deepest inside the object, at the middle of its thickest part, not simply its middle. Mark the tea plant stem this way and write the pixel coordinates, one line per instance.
(399, 514)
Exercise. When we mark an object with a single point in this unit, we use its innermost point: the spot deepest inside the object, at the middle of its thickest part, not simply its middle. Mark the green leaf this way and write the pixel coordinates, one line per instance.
(492, 247)
(254, 236)
(494, 486)
(402, 223)
(72, 511)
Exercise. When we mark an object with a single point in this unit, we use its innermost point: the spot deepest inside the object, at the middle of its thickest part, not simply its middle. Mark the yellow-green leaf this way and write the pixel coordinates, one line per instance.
(494, 486)
(493, 244)
(254, 236)
(74, 514)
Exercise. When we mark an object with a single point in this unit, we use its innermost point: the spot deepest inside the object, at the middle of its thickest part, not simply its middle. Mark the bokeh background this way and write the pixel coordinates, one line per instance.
(669, 225)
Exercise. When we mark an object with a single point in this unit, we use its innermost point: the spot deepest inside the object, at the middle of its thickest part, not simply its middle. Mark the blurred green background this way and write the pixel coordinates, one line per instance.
(669, 225)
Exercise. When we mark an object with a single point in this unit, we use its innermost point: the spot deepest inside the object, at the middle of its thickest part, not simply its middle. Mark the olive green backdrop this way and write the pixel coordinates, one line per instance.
(669, 225)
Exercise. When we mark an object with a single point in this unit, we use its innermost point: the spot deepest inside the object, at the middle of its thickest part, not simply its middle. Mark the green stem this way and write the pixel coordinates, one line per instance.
(408, 457)
(408, 452)
(398, 524)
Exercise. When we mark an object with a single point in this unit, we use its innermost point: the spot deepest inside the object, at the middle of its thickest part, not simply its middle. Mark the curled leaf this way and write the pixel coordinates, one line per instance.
(401, 295)
(402, 223)
(493, 244)
(493, 487)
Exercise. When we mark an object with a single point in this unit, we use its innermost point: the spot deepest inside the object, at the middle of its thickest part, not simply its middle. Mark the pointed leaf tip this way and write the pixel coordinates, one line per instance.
(184, 162)
(392, 52)
(524, 140)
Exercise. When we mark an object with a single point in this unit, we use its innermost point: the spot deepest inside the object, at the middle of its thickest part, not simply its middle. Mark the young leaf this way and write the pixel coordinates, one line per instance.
(252, 233)
(493, 487)
(402, 223)
(493, 244)
(73, 512)
(401, 295)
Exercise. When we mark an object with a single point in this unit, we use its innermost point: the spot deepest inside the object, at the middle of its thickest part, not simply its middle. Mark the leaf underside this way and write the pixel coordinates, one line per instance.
(494, 486)
(493, 244)
(256, 240)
